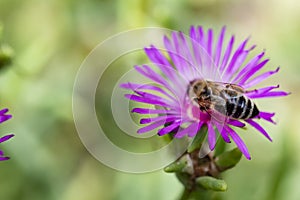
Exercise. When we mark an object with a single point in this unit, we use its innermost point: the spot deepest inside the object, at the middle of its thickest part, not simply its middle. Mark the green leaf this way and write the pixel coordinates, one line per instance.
(198, 140)
(184, 164)
(228, 159)
(211, 183)
(220, 146)
(175, 166)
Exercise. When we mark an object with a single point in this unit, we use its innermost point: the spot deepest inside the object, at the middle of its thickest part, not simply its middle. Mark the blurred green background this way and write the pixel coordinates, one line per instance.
(52, 38)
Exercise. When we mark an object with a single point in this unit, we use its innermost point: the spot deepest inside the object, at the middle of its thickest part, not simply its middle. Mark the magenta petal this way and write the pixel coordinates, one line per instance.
(156, 57)
(160, 60)
(149, 73)
(260, 91)
(169, 128)
(149, 111)
(153, 119)
(260, 78)
(259, 128)
(185, 50)
(253, 71)
(145, 100)
(196, 46)
(194, 129)
(150, 96)
(183, 55)
(151, 126)
(239, 142)
(139, 87)
(235, 123)
(271, 94)
(210, 36)
(237, 64)
(211, 136)
(227, 54)
(159, 118)
(179, 63)
(219, 46)
(7, 137)
(3, 111)
(201, 35)
(266, 116)
(237, 54)
(223, 132)
(4, 158)
(191, 130)
(250, 65)
(4, 118)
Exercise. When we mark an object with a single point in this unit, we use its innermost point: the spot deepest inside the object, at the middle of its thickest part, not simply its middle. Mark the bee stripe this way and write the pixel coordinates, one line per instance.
(240, 106)
(229, 108)
(234, 102)
(245, 109)
(248, 111)
(255, 111)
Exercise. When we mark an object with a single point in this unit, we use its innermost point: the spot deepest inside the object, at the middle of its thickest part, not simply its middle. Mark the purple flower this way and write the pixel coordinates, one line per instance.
(201, 57)
(4, 117)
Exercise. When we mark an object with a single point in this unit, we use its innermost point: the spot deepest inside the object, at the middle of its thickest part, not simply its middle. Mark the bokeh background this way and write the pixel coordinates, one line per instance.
(52, 38)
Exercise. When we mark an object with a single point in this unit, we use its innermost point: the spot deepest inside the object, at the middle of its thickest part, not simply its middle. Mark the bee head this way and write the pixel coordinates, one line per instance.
(200, 89)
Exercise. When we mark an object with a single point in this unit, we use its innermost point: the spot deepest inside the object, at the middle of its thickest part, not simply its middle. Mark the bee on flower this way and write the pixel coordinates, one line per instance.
(203, 82)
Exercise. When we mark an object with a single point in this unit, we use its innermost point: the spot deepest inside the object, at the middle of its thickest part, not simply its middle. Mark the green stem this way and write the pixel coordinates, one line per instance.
(185, 194)
(196, 193)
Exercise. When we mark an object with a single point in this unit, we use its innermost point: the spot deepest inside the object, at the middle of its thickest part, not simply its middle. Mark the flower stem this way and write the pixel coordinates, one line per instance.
(196, 193)
(185, 194)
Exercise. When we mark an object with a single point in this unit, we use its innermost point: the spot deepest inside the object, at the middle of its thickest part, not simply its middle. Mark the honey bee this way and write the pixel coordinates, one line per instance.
(225, 98)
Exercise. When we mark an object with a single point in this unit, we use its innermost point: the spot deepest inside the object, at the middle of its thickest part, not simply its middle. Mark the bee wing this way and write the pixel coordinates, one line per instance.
(218, 109)
(227, 86)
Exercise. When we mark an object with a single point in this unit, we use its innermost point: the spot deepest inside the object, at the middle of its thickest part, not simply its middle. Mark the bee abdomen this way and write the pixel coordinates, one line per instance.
(241, 108)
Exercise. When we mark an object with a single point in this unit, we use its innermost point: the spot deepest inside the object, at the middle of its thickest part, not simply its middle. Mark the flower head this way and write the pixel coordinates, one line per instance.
(4, 117)
(222, 97)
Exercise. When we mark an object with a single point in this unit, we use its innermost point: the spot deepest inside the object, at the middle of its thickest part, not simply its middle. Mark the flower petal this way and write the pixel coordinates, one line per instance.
(149, 111)
(251, 72)
(4, 158)
(146, 100)
(196, 46)
(169, 128)
(219, 46)
(271, 94)
(266, 116)
(223, 132)
(239, 142)
(6, 137)
(251, 64)
(149, 73)
(191, 131)
(159, 118)
(3, 111)
(260, 91)
(4, 118)
(237, 54)
(139, 87)
(211, 136)
(235, 123)
(227, 54)
(260, 78)
(151, 126)
(259, 128)
(210, 36)
(161, 61)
